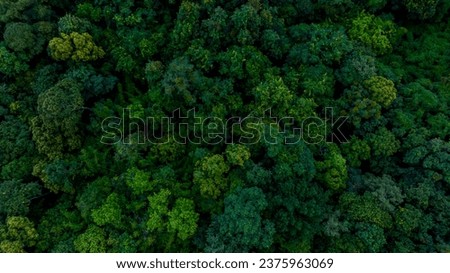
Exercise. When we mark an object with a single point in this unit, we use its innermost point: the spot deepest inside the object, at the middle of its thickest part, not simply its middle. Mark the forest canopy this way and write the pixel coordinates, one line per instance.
(102, 103)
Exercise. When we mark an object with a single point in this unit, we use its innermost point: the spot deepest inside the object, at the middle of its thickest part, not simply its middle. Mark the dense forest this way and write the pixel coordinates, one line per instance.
(79, 172)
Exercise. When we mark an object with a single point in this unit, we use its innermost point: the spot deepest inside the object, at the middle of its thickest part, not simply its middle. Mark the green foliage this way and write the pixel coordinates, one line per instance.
(246, 22)
(17, 234)
(109, 213)
(317, 81)
(209, 175)
(19, 36)
(408, 219)
(372, 237)
(70, 24)
(241, 227)
(356, 68)
(183, 219)
(178, 80)
(87, 10)
(365, 209)
(15, 197)
(58, 228)
(381, 90)
(10, 64)
(187, 20)
(14, 140)
(57, 175)
(61, 104)
(93, 240)
(378, 34)
(383, 188)
(431, 44)
(332, 170)
(12, 10)
(92, 196)
(138, 181)
(425, 9)
(76, 47)
(316, 43)
(59, 111)
(276, 73)
(273, 94)
(237, 154)
(383, 143)
(355, 151)
(158, 209)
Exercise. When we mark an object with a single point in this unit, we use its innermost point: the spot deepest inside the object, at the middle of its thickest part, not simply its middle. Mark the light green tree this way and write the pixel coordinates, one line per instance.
(209, 175)
(182, 219)
(75, 46)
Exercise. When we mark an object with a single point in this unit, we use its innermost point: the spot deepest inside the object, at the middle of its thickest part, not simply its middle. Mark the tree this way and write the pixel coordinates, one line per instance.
(157, 210)
(209, 175)
(15, 197)
(408, 218)
(14, 140)
(317, 82)
(178, 81)
(237, 154)
(383, 188)
(19, 37)
(241, 227)
(61, 104)
(368, 100)
(383, 142)
(57, 175)
(356, 151)
(381, 90)
(59, 110)
(70, 23)
(332, 170)
(425, 9)
(78, 173)
(185, 25)
(244, 62)
(76, 47)
(89, 11)
(17, 235)
(372, 237)
(365, 208)
(246, 22)
(357, 67)
(273, 94)
(318, 43)
(429, 45)
(58, 227)
(92, 195)
(337, 8)
(375, 33)
(10, 64)
(438, 160)
(214, 27)
(22, 10)
(94, 84)
(93, 240)
(110, 212)
(138, 181)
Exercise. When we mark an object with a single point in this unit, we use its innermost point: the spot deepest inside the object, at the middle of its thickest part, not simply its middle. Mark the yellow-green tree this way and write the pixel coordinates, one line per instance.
(209, 174)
